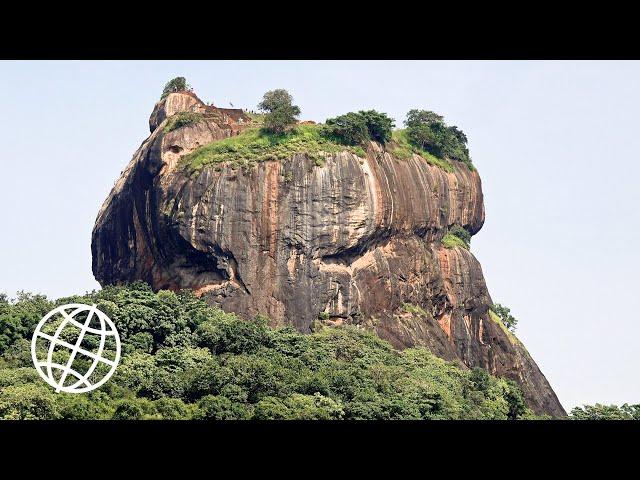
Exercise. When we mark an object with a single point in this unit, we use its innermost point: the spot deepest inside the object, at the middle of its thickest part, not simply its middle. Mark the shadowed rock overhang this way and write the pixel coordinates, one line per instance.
(349, 240)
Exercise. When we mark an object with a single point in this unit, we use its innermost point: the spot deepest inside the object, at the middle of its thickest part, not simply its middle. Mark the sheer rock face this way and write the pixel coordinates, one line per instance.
(355, 241)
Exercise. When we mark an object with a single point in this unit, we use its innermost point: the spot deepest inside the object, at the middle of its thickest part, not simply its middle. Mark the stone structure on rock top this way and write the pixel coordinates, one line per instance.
(354, 241)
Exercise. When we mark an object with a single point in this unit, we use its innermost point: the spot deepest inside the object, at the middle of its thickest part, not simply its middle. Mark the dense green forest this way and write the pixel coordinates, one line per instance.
(606, 412)
(183, 359)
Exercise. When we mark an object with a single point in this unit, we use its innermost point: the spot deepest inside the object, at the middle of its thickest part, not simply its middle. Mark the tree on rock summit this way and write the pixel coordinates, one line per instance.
(178, 84)
(281, 113)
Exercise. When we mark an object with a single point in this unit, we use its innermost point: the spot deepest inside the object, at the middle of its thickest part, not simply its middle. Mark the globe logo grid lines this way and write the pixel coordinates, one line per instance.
(81, 355)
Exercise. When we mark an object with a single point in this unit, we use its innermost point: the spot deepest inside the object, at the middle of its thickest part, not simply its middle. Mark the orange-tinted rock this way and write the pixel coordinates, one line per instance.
(357, 239)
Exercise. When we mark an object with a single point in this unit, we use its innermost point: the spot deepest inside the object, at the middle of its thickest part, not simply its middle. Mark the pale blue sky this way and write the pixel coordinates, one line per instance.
(556, 144)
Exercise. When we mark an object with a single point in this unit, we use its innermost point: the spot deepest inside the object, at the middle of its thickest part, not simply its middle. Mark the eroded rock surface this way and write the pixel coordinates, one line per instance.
(357, 241)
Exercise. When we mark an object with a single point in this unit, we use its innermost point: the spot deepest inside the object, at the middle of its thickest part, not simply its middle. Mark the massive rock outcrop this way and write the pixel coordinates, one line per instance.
(355, 240)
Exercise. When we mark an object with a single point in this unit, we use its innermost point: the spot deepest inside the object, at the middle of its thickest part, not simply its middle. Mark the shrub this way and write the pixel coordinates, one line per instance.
(130, 409)
(427, 130)
(19, 319)
(181, 119)
(508, 320)
(226, 334)
(403, 149)
(28, 402)
(359, 151)
(172, 409)
(379, 125)
(357, 128)
(350, 128)
(4, 303)
(515, 399)
(299, 407)
(214, 407)
(451, 241)
(178, 84)
(92, 406)
(461, 233)
(281, 114)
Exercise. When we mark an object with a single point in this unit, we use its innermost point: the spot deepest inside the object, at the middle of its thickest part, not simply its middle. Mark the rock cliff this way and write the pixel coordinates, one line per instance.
(350, 240)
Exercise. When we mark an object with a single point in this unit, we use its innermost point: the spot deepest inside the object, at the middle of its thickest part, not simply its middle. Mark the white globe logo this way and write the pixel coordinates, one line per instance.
(75, 348)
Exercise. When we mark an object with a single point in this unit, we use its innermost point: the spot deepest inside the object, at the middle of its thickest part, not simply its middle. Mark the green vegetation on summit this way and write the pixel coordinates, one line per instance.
(403, 149)
(281, 114)
(275, 135)
(428, 131)
(359, 128)
(254, 145)
(177, 84)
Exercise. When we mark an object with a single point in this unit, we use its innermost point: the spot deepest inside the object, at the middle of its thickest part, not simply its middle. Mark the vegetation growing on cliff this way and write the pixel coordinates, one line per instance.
(183, 359)
(403, 149)
(257, 145)
(451, 241)
(462, 234)
(505, 316)
(414, 309)
(357, 128)
(428, 131)
(505, 321)
(281, 113)
(498, 321)
(177, 84)
(457, 236)
(181, 119)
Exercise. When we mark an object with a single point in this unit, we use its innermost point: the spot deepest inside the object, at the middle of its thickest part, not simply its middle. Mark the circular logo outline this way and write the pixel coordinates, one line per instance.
(47, 375)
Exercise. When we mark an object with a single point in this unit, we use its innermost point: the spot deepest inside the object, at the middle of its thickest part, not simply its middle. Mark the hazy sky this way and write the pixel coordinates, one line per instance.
(556, 144)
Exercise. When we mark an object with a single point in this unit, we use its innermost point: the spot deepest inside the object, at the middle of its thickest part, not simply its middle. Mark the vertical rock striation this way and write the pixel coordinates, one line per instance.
(355, 241)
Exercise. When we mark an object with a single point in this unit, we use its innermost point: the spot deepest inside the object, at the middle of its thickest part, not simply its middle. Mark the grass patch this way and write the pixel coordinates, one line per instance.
(254, 145)
(255, 117)
(359, 151)
(494, 317)
(451, 241)
(462, 234)
(401, 148)
(414, 309)
(182, 119)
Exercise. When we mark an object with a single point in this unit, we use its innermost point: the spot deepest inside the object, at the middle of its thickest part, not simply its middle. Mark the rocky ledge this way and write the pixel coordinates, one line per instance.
(349, 240)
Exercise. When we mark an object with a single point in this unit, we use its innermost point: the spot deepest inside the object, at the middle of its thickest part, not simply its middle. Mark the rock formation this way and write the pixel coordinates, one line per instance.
(353, 241)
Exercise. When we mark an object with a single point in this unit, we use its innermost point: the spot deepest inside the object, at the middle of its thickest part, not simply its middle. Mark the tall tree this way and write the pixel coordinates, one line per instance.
(428, 131)
(504, 313)
(178, 84)
(281, 114)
